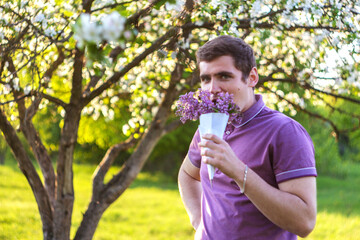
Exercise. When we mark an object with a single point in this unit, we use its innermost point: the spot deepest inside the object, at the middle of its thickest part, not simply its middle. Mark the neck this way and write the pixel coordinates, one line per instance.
(251, 101)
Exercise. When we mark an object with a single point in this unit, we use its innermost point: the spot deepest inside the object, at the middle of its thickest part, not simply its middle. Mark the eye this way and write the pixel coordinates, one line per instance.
(225, 77)
(205, 79)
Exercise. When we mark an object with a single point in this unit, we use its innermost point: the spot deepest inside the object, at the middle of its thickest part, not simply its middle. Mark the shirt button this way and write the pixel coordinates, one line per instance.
(227, 132)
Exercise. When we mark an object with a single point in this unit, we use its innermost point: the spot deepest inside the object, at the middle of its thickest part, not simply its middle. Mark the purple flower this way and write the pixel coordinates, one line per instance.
(191, 105)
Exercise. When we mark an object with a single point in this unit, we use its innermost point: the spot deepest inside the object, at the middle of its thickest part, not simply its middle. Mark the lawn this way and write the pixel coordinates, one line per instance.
(151, 208)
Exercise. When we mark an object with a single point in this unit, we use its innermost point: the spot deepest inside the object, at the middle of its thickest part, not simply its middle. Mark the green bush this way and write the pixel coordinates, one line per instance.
(328, 160)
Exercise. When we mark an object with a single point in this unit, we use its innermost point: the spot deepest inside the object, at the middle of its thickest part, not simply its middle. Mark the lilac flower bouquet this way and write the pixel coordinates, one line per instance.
(193, 104)
(214, 112)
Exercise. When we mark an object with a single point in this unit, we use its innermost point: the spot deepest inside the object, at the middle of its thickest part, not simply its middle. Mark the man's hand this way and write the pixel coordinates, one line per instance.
(216, 152)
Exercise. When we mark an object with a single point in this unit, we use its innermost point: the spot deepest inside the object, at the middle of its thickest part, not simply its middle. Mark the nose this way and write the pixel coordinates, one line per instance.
(214, 87)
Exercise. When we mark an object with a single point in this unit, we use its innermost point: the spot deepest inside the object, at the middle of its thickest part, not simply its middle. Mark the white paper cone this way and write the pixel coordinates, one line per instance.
(214, 123)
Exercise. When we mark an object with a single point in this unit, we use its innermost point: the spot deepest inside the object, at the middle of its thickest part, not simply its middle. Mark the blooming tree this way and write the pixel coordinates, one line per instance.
(126, 62)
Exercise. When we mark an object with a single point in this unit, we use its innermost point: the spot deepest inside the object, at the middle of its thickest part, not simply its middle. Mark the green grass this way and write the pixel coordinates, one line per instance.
(151, 208)
(338, 206)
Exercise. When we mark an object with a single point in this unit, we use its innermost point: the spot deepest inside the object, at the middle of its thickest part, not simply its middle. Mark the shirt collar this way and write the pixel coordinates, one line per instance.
(250, 113)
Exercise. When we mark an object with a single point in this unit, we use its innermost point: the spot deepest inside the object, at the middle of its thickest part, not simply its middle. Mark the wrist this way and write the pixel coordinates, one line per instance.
(242, 178)
(242, 190)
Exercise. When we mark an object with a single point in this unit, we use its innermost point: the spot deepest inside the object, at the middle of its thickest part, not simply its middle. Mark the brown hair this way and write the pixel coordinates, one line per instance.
(225, 45)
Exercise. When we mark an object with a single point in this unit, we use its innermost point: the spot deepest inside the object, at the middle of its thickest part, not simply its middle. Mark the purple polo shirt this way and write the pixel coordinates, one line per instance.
(273, 145)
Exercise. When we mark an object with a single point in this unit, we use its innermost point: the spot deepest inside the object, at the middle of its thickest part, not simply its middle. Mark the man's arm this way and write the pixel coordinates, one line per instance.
(190, 190)
(291, 207)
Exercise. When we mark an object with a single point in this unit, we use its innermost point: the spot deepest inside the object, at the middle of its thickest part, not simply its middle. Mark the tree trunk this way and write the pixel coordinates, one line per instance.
(65, 189)
(25, 165)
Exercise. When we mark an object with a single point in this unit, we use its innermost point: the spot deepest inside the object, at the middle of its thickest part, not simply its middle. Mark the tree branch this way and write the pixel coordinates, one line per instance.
(76, 89)
(31, 111)
(312, 114)
(34, 140)
(30, 173)
(273, 13)
(53, 100)
(36, 29)
(304, 85)
(341, 111)
(136, 61)
(115, 53)
(111, 6)
(14, 100)
(54, 66)
(308, 86)
(86, 4)
(269, 78)
(335, 108)
(106, 163)
(92, 83)
(135, 18)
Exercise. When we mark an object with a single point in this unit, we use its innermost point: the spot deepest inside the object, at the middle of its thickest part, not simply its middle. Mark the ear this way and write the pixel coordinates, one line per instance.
(253, 77)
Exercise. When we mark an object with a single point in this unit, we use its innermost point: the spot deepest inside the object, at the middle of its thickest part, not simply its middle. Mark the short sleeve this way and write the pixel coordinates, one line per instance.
(194, 150)
(294, 154)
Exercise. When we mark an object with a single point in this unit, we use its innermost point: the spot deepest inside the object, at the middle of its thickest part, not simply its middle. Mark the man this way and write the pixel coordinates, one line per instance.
(264, 185)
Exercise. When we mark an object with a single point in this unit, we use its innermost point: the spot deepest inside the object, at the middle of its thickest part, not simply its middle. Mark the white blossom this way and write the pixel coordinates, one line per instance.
(6, 89)
(215, 3)
(88, 31)
(177, 6)
(335, 41)
(44, 23)
(354, 77)
(357, 84)
(125, 129)
(27, 90)
(256, 8)
(16, 84)
(132, 123)
(222, 11)
(39, 18)
(233, 29)
(50, 32)
(113, 26)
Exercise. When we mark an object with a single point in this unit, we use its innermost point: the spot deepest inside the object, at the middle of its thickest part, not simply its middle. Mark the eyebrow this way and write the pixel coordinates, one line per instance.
(222, 73)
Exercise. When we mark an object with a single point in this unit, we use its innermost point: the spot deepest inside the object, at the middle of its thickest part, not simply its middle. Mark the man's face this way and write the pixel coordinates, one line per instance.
(221, 75)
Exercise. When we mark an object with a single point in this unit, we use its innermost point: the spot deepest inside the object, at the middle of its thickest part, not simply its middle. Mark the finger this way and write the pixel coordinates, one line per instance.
(207, 152)
(208, 144)
(207, 160)
(212, 137)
